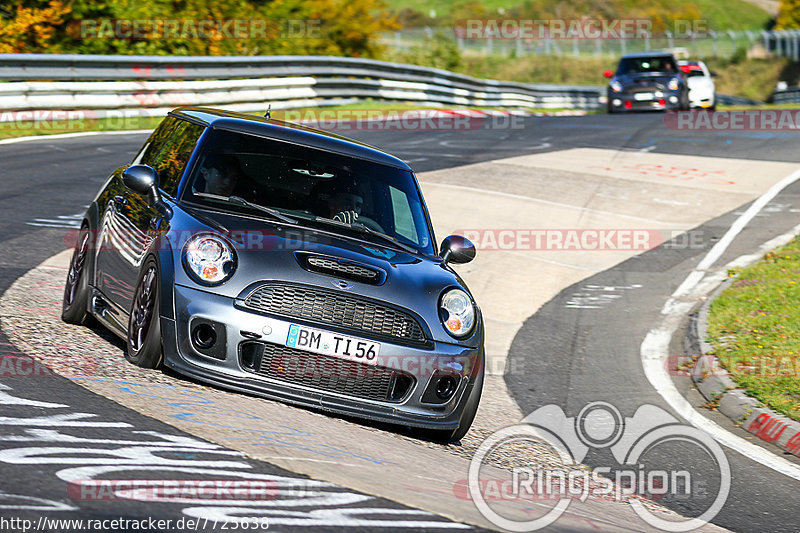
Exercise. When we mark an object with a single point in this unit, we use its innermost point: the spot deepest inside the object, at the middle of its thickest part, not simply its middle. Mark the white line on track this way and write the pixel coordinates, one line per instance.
(70, 135)
(655, 347)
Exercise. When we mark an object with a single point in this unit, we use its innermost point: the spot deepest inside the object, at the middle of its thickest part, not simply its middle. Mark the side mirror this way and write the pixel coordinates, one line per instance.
(713, 74)
(608, 74)
(144, 180)
(457, 249)
(140, 178)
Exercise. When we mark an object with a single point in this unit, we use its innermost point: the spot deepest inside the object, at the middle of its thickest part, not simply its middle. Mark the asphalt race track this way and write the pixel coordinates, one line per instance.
(582, 345)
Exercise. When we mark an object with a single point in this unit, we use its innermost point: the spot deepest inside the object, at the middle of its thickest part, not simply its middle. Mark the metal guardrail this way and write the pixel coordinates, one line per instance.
(790, 95)
(36, 82)
(726, 99)
(152, 85)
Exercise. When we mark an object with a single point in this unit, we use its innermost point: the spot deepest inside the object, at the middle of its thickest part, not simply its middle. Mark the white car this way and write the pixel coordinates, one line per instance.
(702, 92)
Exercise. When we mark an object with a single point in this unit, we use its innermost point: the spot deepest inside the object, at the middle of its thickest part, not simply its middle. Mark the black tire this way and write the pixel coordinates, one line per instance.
(609, 108)
(684, 102)
(467, 417)
(144, 324)
(74, 308)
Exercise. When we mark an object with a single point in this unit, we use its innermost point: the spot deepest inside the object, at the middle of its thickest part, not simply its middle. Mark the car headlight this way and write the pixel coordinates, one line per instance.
(673, 84)
(457, 313)
(209, 259)
(615, 86)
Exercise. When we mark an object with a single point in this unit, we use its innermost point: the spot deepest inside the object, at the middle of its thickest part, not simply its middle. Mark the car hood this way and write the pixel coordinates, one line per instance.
(699, 82)
(268, 251)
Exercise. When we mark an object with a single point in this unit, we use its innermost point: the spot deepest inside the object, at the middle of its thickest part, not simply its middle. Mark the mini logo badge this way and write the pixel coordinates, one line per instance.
(342, 284)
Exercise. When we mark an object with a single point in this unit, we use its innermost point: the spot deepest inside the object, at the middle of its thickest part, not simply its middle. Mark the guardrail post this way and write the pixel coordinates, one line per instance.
(575, 52)
(713, 35)
(670, 40)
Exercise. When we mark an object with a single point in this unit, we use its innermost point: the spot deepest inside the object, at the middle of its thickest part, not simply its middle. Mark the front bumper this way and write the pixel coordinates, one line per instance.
(657, 100)
(225, 367)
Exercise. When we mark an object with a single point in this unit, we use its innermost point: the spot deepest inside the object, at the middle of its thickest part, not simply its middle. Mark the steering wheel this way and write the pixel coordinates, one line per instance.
(371, 224)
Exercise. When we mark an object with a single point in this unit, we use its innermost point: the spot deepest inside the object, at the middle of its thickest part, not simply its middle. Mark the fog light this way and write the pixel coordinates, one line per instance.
(204, 336)
(446, 387)
(616, 102)
(673, 99)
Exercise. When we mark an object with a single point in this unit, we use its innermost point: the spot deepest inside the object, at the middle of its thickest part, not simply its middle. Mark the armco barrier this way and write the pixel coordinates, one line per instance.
(152, 83)
(786, 96)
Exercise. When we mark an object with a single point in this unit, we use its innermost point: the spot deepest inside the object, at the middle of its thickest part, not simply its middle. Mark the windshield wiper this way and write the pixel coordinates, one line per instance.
(362, 228)
(241, 201)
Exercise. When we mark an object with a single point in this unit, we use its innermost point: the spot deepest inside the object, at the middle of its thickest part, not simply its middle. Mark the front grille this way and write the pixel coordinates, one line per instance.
(343, 269)
(324, 373)
(646, 87)
(328, 307)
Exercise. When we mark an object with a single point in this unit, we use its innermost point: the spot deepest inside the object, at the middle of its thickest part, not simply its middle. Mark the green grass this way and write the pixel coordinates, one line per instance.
(721, 16)
(754, 327)
(26, 128)
(754, 78)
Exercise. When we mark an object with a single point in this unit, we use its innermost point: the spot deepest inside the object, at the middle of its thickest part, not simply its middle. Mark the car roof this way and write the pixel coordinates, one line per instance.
(638, 55)
(287, 132)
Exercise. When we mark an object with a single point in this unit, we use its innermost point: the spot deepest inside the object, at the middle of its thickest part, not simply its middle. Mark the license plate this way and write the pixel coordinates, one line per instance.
(333, 344)
(643, 96)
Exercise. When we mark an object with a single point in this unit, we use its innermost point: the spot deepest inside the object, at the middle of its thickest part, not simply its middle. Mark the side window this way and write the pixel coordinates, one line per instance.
(155, 142)
(403, 219)
(168, 151)
(174, 155)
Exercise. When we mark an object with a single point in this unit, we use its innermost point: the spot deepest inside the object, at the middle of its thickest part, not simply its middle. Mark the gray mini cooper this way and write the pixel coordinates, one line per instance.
(285, 262)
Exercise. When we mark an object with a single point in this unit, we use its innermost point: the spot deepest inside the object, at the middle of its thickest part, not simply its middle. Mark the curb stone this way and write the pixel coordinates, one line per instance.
(716, 385)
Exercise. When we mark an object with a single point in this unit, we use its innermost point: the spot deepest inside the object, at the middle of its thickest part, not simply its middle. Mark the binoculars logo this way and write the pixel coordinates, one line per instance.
(631, 441)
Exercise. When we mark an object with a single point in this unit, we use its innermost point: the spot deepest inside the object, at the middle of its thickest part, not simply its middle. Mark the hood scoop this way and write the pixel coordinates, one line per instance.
(341, 268)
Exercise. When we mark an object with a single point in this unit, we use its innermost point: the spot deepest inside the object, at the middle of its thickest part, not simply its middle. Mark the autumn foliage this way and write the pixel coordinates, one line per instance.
(335, 27)
(30, 29)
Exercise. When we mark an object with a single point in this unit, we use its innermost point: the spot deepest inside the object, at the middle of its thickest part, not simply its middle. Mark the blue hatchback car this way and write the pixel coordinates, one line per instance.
(286, 262)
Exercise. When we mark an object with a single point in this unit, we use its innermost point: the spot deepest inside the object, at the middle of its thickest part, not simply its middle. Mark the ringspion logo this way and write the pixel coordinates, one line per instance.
(628, 460)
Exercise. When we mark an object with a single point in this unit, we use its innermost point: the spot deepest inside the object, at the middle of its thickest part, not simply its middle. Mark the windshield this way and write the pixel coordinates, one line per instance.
(639, 65)
(310, 185)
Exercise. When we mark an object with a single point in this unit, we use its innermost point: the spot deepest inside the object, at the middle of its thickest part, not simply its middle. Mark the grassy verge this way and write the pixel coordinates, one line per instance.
(753, 78)
(754, 327)
(25, 128)
(361, 110)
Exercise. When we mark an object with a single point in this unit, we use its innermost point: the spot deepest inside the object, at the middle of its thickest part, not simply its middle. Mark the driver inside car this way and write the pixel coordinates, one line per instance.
(345, 206)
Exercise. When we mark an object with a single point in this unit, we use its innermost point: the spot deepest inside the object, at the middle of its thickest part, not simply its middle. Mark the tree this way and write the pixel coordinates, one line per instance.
(26, 29)
(788, 15)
